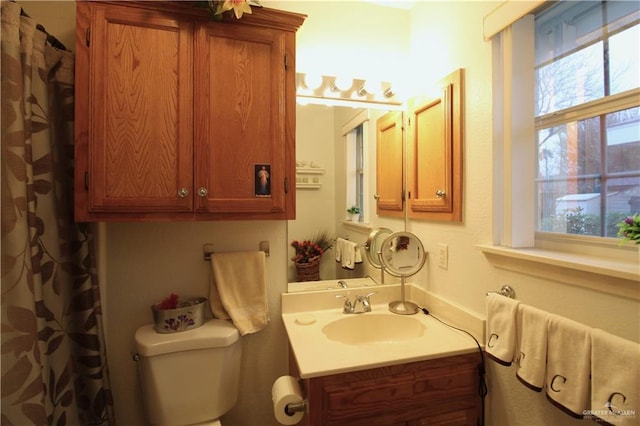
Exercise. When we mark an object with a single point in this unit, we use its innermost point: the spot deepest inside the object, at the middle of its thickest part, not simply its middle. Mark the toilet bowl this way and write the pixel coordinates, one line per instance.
(191, 377)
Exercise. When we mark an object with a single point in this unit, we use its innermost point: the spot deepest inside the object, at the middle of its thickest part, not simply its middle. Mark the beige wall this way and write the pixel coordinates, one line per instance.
(446, 36)
(146, 261)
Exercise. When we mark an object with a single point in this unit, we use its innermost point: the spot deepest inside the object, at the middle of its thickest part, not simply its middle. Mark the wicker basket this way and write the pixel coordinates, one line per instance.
(309, 271)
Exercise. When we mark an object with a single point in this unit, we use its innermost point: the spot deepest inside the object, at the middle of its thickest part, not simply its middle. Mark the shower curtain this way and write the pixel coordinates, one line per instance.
(54, 368)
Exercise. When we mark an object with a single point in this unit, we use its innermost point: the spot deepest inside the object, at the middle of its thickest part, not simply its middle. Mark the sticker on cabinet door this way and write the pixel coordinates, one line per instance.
(263, 180)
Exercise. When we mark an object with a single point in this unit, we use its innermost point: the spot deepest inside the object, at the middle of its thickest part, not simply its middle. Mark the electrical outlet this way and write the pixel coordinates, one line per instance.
(443, 255)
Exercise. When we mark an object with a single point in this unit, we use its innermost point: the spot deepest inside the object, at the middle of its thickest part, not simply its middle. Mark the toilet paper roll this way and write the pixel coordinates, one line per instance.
(286, 390)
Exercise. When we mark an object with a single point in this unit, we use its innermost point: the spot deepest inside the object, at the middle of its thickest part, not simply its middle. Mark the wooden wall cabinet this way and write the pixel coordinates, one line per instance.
(434, 170)
(390, 165)
(436, 392)
(176, 115)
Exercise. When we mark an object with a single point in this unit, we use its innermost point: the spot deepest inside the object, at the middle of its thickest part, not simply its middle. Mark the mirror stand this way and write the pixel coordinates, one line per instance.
(402, 306)
(402, 255)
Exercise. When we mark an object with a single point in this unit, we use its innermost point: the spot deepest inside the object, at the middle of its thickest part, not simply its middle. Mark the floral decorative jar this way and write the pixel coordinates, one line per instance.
(174, 315)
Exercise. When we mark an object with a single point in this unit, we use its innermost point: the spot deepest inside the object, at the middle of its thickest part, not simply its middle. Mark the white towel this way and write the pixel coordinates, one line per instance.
(615, 387)
(339, 248)
(238, 290)
(347, 253)
(350, 255)
(532, 346)
(568, 365)
(501, 328)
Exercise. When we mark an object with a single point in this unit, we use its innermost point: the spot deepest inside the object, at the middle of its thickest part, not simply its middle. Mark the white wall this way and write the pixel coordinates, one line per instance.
(146, 261)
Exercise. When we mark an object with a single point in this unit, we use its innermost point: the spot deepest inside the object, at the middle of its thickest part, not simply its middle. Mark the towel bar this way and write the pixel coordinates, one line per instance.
(506, 291)
(208, 249)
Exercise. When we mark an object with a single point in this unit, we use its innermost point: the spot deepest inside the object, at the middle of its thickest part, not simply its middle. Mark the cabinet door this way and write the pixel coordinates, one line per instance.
(435, 154)
(134, 137)
(243, 154)
(389, 165)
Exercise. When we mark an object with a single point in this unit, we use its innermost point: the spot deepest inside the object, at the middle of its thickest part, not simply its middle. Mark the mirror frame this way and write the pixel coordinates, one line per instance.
(385, 259)
(374, 245)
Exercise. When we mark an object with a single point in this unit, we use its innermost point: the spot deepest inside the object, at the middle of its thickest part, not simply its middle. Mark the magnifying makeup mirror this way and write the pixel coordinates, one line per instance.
(373, 248)
(402, 255)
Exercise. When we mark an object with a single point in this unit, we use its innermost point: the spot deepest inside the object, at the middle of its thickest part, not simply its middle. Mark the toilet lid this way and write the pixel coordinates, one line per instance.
(214, 333)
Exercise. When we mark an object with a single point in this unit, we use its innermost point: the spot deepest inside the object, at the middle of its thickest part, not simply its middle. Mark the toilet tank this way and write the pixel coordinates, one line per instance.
(191, 376)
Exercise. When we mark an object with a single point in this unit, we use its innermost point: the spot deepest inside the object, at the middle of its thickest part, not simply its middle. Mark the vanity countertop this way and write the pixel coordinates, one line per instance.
(317, 355)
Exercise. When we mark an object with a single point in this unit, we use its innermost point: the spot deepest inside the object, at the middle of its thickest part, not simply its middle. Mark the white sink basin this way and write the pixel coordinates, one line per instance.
(358, 329)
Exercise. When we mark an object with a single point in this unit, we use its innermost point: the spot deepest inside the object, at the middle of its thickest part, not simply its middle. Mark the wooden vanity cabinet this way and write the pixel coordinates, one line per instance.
(176, 114)
(435, 392)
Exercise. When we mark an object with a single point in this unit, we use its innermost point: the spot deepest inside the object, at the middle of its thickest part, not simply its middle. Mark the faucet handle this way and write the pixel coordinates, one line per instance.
(366, 303)
(347, 308)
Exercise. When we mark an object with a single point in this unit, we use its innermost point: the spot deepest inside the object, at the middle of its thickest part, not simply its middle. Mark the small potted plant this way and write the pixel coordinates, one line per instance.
(354, 213)
(629, 229)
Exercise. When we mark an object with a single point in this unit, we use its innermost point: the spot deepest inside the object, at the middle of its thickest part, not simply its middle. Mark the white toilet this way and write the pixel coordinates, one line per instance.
(190, 377)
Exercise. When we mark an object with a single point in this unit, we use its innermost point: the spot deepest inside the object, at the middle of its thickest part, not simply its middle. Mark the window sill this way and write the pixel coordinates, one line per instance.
(358, 226)
(621, 278)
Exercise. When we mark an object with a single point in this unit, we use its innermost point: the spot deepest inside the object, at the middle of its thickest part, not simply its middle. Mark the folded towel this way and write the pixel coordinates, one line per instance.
(501, 328)
(532, 346)
(347, 253)
(339, 248)
(238, 290)
(615, 388)
(350, 255)
(568, 365)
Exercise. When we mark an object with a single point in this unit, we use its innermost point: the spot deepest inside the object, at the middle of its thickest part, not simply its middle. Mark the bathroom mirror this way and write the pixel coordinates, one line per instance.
(321, 191)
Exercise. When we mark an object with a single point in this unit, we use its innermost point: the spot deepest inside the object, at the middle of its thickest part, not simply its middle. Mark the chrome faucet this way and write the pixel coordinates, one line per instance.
(350, 308)
(342, 284)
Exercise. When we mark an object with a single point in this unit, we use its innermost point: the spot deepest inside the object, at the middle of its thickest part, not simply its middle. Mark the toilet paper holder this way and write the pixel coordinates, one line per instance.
(293, 407)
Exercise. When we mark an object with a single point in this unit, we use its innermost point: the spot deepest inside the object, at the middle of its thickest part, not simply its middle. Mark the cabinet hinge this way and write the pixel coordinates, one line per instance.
(86, 181)
(87, 36)
(286, 61)
(286, 185)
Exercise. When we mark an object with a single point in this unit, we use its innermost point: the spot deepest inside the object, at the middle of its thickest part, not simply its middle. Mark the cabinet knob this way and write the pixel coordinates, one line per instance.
(202, 191)
(440, 193)
(183, 192)
(376, 196)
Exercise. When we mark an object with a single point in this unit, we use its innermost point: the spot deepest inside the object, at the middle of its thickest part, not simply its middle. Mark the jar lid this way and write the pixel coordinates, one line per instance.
(212, 334)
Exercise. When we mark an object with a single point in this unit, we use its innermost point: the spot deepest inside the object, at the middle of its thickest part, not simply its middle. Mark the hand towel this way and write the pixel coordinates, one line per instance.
(615, 387)
(501, 328)
(339, 248)
(238, 290)
(350, 255)
(532, 346)
(568, 365)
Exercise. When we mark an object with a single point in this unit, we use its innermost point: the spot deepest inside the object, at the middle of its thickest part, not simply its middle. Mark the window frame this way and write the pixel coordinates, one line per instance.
(356, 179)
(597, 263)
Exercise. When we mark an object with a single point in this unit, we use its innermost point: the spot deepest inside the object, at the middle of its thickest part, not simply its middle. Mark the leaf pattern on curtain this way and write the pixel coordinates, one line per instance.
(54, 367)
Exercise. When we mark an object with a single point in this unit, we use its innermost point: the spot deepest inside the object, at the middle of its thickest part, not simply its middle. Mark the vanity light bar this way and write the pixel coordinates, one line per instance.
(329, 90)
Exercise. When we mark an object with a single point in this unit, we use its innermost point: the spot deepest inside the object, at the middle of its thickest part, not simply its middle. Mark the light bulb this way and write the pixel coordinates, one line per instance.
(313, 81)
(372, 86)
(341, 84)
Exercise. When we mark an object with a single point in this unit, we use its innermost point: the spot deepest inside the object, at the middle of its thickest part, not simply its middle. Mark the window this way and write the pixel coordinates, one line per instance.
(587, 112)
(355, 169)
(570, 140)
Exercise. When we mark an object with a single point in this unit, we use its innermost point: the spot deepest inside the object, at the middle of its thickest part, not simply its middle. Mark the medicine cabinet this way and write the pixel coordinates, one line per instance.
(427, 171)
